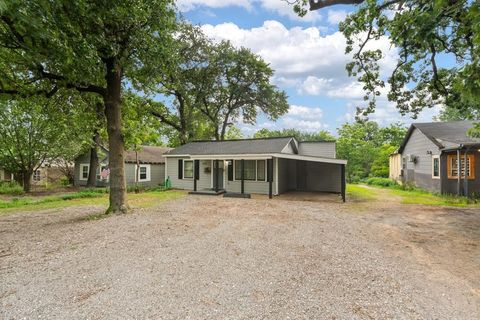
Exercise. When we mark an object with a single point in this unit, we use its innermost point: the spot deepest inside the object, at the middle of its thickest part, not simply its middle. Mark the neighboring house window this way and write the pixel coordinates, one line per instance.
(103, 173)
(84, 168)
(144, 172)
(36, 175)
(469, 168)
(188, 169)
(254, 170)
(436, 167)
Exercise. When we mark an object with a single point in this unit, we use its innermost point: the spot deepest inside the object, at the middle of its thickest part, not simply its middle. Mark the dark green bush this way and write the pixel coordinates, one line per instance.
(382, 182)
(10, 188)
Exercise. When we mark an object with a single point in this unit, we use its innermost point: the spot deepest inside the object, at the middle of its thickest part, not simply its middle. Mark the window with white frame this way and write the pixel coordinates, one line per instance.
(84, 168)
(144, 172)
(36, 175)
(254, 170)
(101, 174)
(436, 167)
(188, 169)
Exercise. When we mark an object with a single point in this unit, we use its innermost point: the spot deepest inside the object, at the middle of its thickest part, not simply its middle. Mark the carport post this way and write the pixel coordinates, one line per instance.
(270, 176)
(216, 175)
(242, 184)
(344, 183)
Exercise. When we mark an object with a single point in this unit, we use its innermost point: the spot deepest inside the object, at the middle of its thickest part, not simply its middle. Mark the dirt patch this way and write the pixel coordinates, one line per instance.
(213, 257)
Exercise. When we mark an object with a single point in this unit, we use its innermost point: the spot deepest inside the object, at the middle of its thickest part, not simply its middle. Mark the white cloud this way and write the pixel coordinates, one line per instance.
(298, 53)
(336, 16)
(282, 8)
(188, 5)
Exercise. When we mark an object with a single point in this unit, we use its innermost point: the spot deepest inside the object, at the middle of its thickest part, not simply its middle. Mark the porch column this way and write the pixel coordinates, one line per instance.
(216, 175)
(196, 173)
(344, 182)
(270, 177)
(242, 169)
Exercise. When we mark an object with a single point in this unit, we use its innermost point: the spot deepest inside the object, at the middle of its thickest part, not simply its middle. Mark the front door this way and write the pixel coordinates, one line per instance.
(218, 176)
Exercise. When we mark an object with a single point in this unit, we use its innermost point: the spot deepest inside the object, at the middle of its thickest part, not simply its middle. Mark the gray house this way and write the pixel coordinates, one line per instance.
(150, 160)
(439, 156)
(265, 166)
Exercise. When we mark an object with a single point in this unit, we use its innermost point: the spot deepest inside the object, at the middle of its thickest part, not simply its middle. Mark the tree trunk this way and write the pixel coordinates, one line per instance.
(113, 113)
(26, 181)
(92, 171)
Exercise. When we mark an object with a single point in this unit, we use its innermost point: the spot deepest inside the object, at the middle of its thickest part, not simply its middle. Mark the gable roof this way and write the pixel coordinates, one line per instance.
(147, 154)
(444, 135)
(240, 146)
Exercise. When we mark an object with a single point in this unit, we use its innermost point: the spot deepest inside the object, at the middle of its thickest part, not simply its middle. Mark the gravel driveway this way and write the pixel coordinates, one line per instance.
(202, 257)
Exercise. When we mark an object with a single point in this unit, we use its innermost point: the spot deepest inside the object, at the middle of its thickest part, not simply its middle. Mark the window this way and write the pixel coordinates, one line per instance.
(254, 170)
(36, 175)
(144, 172)
(103, 173)
(436, 167)
(84, 168)
(469, 168)
(188, 169)
(261, 169)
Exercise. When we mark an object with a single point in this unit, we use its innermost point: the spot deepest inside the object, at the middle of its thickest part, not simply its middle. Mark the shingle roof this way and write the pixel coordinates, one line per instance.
(147, 154)
(245, 146)
(444, 134)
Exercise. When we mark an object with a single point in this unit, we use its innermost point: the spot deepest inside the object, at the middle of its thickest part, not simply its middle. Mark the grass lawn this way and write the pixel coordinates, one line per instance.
(140, 200)
(421, 197)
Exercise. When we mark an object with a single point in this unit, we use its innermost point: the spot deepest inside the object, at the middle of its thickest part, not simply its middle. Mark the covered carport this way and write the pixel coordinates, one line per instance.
(310, 174)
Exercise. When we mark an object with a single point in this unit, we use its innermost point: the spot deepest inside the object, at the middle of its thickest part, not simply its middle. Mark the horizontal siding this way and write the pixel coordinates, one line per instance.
(204, 181)
(317, 149)
(420, 173)
(157, 175)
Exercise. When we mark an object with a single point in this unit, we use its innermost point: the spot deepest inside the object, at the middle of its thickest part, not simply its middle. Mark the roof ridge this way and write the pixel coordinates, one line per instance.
(245, 139)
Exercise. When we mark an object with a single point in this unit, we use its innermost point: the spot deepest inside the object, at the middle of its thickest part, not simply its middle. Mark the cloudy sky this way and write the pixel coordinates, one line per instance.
(307, 54)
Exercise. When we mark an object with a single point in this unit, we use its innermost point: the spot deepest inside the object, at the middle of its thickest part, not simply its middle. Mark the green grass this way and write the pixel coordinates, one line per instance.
(82, 198)
(409, 196)
(10, 188)
(422, 197)
(357, 192)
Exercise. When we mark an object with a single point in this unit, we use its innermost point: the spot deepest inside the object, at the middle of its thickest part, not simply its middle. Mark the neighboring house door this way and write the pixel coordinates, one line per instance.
(219, 174)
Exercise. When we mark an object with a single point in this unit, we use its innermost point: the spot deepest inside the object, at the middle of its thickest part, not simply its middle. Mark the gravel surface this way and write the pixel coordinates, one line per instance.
(203, 257)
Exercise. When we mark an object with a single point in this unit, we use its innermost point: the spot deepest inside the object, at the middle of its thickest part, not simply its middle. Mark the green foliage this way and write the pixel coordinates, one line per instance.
(357, 192)
(382, 182)
(10, 188)
(367, 147)
(211, 86)
(322, 135)
(426, 34)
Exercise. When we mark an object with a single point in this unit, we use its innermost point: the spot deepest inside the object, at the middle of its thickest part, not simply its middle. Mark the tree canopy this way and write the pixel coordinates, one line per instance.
(424, 32)
(95, 47)
(321, 135)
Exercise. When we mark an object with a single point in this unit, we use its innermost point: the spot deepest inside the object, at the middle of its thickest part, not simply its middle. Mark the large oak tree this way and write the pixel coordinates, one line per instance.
(425, 32)
(93, 46)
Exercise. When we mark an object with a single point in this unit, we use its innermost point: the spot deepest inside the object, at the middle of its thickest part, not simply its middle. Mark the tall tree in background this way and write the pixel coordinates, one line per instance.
(212, 86)
(321, 135)
(422, 31)
(367, 147)
(87, 46)
(35, 132)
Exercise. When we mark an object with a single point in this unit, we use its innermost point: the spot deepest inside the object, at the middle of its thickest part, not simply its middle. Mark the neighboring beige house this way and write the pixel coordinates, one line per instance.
(395, 166)
(47, 173)
(5, 175)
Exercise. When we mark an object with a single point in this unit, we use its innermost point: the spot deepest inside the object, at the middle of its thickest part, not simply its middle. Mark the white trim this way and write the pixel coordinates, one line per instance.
(183, 169)
(262, 157)
(436, 156)
(82, 165)
(211, 173)
(165, 176)
(147, 171)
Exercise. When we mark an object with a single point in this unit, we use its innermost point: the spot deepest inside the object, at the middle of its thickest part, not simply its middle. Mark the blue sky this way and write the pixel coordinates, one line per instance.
(307, 55)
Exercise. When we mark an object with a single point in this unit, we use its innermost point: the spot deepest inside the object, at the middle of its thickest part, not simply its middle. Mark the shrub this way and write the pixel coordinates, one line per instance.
(11, 188)
(382, 182)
